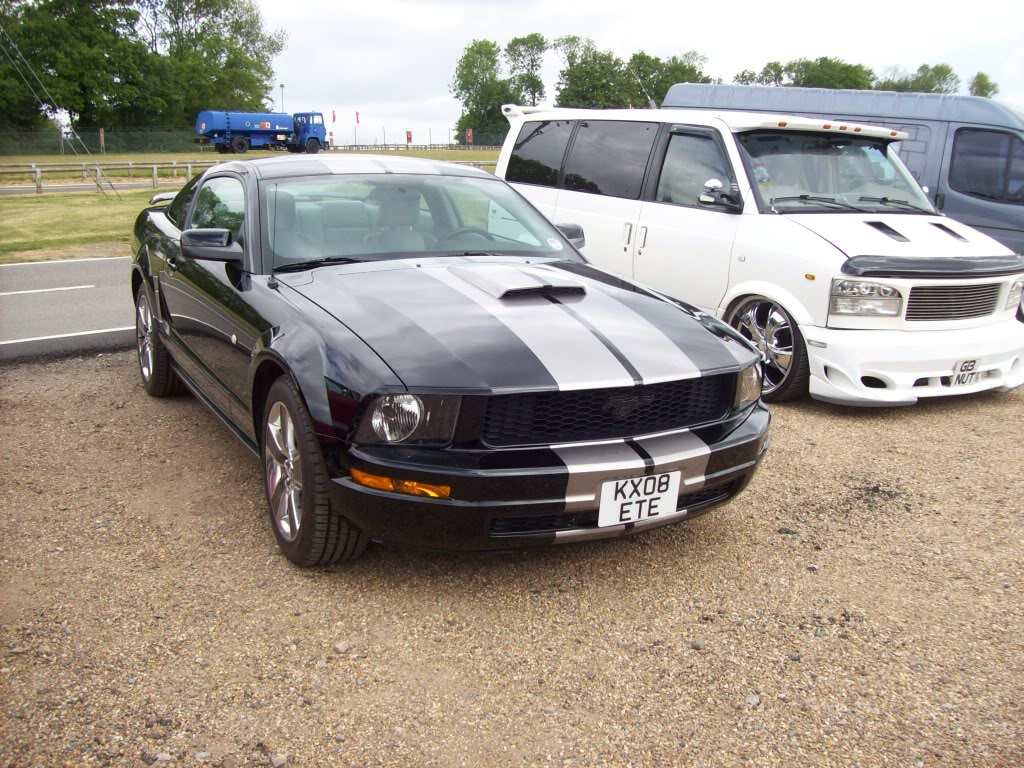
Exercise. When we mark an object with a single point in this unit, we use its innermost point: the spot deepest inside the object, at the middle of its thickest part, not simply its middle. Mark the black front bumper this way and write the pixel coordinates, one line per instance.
(510, 499)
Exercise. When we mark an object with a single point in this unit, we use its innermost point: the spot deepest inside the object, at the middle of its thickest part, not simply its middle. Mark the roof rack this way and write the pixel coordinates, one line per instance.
(512, 111)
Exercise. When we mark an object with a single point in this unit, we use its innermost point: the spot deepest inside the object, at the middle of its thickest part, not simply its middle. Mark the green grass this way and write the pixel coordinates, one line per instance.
(34, 222)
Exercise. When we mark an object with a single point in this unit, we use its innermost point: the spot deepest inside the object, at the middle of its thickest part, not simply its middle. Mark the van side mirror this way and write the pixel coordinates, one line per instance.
(573, 233)
(211, 245)
(713, 196)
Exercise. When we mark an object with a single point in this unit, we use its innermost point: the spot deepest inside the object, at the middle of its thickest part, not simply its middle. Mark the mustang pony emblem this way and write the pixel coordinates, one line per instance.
(623, 407)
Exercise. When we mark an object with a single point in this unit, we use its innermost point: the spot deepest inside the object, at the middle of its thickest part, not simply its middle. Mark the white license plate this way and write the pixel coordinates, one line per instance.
(965, 372)
(638, 498)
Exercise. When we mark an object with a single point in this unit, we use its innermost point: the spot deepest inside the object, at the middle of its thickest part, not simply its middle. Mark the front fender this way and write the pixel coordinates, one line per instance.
(773, 291)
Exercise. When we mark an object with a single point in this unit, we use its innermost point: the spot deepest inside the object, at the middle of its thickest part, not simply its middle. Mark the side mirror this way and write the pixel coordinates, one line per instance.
(162, 197)
(714, 196)
(211, 245)
(573, 233)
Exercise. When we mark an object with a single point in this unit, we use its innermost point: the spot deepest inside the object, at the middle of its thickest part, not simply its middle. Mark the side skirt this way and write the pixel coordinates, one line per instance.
(242, 437)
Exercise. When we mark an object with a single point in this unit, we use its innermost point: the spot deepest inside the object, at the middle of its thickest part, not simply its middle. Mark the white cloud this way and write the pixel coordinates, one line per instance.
(393, 60)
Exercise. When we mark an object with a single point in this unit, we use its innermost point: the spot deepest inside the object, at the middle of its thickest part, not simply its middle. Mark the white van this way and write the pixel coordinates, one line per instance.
(810, 237)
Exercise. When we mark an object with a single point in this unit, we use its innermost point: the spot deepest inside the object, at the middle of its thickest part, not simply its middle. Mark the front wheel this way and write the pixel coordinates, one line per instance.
(295, 478)
(312, 147)
(769, 327)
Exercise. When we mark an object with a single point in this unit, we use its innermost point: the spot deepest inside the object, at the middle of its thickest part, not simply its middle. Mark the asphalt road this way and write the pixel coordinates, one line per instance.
(65, 307)
(30, 189)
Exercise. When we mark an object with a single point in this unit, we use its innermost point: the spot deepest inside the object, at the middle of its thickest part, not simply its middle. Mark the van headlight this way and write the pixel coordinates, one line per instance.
(409, 419)
(860, 297)
(748, 386)
(1016, 292)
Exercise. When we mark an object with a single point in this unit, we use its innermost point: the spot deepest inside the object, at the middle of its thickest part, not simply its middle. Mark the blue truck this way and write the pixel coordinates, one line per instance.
(238, 132)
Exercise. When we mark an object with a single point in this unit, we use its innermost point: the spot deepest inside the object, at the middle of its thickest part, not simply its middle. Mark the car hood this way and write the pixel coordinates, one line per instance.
(489, 324)
(903, 235)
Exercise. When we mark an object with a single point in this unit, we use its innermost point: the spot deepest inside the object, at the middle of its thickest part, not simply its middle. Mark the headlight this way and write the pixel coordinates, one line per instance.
(1016, 291)
(409, 419)
(748, 388)
(858, 297)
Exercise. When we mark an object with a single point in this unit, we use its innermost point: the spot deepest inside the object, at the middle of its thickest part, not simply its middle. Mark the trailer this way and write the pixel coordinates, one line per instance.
(238, 132)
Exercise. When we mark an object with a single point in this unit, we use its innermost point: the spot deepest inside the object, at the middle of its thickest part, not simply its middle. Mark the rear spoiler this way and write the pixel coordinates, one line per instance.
(512, 111)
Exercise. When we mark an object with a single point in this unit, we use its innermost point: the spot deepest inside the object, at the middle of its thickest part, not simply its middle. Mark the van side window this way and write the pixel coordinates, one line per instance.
(609, 158)
(690, 161)
(982, 165)
(538, 152)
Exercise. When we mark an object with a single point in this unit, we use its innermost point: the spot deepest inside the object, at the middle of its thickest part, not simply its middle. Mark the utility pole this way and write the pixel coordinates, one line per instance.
(281, 86)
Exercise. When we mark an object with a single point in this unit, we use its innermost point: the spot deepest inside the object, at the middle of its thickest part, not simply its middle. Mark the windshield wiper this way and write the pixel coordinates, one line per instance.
(813, 199)
(301, 266)
(891, 201)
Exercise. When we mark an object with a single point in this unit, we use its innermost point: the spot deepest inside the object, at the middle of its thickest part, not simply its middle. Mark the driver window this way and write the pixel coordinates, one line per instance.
(690, 161)
(220, 205)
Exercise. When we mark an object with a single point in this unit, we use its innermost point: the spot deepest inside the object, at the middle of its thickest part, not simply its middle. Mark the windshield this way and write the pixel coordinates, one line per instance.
(796, 171)
(387, 216)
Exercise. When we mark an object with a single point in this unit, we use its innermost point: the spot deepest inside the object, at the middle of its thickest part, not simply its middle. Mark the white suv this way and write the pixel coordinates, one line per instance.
(810, 237)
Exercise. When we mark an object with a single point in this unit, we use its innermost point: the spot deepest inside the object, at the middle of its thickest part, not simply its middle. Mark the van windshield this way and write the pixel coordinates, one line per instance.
(799, 172)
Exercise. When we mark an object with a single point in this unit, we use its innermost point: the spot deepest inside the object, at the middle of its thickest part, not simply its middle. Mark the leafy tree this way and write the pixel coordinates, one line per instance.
(524, 57)
(590, 77)
(982, 85)
(481, 87)
(658, 76)
(772, 73)
(826, 72)
(939, 78)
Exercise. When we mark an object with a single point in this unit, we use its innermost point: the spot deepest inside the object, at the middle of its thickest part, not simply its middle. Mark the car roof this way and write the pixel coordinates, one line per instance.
(329, 163)
(735, 122)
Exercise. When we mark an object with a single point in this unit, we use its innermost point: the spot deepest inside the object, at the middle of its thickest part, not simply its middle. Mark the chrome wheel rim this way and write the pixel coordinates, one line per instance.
(144, 337)
(767, 326)
(283, 471)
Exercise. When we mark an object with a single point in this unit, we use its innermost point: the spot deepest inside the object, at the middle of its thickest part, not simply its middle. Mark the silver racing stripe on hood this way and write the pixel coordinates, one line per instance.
(575, 357)
(654, 356)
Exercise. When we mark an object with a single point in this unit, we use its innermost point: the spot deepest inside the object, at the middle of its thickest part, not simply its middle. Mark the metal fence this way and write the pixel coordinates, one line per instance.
(52, 142)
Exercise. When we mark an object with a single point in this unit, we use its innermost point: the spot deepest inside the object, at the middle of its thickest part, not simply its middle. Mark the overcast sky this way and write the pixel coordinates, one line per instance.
(393, 60)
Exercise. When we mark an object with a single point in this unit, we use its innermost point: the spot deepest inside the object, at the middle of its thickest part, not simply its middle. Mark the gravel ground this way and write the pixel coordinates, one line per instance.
(859, 605)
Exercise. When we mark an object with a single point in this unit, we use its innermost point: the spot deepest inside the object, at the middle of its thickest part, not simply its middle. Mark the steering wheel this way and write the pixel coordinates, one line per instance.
(850, 182)
(465, 231)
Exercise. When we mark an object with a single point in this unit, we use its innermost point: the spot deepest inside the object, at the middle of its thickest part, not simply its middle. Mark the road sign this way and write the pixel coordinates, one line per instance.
(408, 137)
(469, 135)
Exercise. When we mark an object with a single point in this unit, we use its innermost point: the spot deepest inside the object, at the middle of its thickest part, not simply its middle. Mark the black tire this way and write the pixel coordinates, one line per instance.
(221, 149)
(312, 146)
(323, 537)
(239, 145)
(158, 378)
(779, 387)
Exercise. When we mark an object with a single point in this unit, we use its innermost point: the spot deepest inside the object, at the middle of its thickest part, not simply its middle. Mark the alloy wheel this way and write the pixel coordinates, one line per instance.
(284, 471)
(144, 336)
(768, 327)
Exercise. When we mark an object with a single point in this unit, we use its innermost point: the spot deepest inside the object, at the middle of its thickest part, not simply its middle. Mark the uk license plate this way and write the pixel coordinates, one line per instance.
(638, 498)
(965, 372)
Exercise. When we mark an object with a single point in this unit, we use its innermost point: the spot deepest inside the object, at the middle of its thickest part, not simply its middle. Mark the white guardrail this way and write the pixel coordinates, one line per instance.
(98, 172)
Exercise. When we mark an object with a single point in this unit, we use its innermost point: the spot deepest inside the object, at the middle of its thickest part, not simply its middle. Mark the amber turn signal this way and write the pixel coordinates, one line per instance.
(411, 487)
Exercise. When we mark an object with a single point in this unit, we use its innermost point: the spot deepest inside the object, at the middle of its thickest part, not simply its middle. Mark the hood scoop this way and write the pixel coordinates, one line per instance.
(950, 232)
(885, 229)
(507, 282)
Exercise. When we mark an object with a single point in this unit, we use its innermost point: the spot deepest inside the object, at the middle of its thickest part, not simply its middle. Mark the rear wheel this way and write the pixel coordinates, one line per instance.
(239, 145)
(312, 147)
(770, 328)
(158, 378)
(295, 480)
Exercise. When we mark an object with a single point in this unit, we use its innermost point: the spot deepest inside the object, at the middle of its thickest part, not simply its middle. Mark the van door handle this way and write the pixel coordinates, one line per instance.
(627, 233)
(940, 200)
(641, 241)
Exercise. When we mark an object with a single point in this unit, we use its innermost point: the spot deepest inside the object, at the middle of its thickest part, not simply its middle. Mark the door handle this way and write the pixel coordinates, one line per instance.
(641, 240)
(627, 233)
(940, 200)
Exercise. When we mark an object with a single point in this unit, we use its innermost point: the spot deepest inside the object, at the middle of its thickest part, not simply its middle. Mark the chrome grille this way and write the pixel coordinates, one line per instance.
(952, 302)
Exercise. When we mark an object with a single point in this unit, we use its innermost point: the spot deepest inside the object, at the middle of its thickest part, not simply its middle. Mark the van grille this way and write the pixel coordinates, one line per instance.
(952, 302)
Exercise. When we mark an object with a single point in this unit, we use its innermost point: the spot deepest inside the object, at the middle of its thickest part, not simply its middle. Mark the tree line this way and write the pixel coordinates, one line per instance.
(132, 63)
(487, 76)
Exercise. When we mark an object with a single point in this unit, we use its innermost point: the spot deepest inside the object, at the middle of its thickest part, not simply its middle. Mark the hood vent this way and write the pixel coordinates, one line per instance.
(503, 281)
(885, 229)
(949, 231)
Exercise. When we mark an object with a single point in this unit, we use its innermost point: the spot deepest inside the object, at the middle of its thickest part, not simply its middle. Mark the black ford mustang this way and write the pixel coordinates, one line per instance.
(418, 357)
